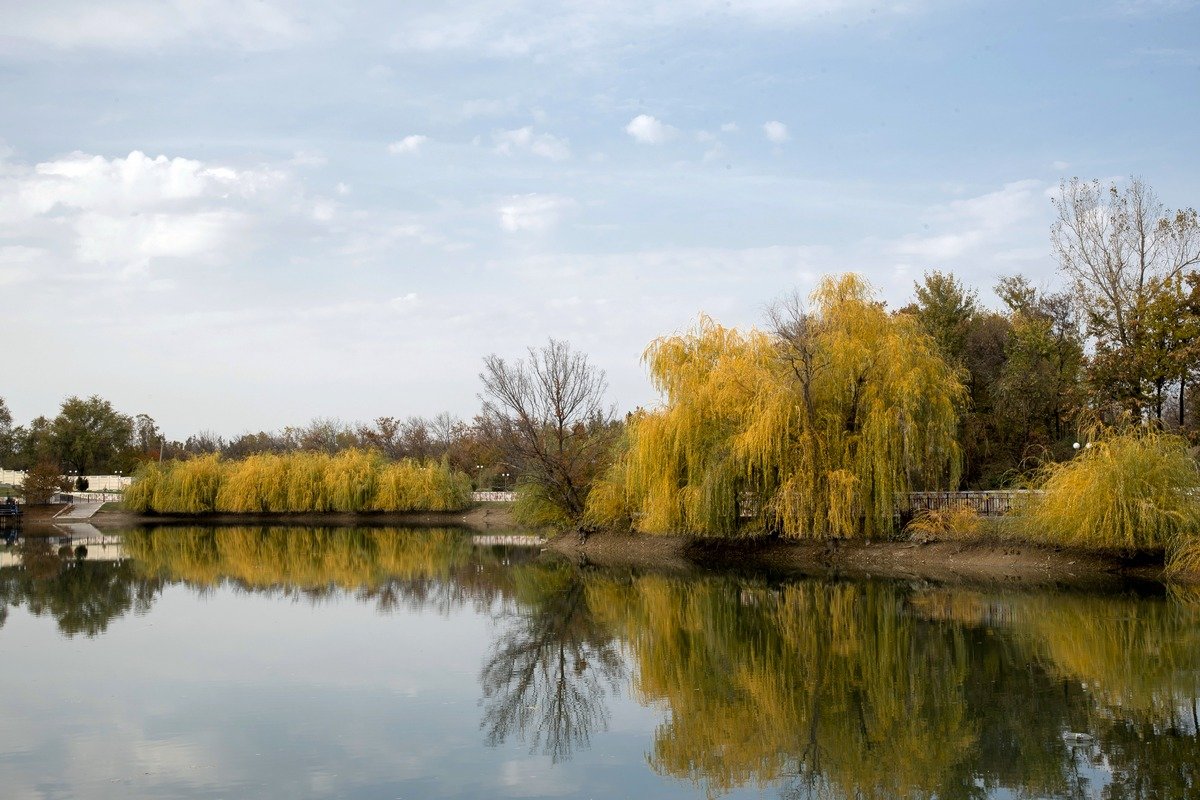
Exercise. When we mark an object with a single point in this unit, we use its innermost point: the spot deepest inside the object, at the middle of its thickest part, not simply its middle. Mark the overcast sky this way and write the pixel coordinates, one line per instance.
(240, 216)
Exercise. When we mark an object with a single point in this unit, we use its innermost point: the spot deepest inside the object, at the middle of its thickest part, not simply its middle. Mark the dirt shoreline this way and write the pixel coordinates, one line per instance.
(985, 560)
(988, 559)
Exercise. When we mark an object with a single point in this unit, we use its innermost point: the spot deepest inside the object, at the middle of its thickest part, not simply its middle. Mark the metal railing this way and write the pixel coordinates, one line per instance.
(993, 503)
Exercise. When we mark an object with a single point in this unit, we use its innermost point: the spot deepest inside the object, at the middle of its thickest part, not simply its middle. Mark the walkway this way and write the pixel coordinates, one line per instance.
(78, 511)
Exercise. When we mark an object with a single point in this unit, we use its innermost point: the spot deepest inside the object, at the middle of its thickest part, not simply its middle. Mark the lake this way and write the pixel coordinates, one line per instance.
(393, 663)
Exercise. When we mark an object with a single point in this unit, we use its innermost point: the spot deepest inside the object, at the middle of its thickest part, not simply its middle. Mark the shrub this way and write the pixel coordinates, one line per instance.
(41, 483)
(945, 523)
(535, 510)
(1132, 490)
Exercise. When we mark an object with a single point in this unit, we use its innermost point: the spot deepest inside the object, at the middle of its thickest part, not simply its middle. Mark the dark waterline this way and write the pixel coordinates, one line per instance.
(284, 662)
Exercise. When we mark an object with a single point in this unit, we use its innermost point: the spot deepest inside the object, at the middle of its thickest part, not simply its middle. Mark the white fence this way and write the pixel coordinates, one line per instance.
(96, 483)
(494, 497)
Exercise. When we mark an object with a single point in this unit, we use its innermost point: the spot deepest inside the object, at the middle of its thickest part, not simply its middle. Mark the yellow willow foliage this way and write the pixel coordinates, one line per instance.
(255, 483)
(1137, 655)
(353, 481)
(819, 451)
(947, 523)
(185, 487)
(306, 487)
(1133, 490)
(261, 558)
(413, 486)
(139, 497)
(350, 479)
(811, 678)
(606, 506)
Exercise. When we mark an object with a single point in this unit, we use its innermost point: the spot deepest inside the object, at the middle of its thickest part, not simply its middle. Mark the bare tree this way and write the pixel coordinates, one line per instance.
(798, 333)
(1115, 245)
(548, 416)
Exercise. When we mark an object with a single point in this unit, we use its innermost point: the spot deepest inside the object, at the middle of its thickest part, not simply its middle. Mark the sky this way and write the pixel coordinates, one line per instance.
(236, 216)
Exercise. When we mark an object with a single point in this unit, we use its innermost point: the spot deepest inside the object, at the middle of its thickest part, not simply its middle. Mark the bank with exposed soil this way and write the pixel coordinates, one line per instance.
(985, 559)
(982, 560)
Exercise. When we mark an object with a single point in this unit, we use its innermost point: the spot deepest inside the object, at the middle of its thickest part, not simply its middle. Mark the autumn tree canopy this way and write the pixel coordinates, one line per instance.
(810, 430)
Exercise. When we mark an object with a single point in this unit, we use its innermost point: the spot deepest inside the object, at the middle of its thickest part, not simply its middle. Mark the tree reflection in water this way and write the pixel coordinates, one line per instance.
(552, 668)
(82, 596)
(807, 688)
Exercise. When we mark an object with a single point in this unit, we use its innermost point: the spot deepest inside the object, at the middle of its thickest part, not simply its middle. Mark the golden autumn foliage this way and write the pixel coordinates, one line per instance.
(813, 430)
(830, 682)
(948, 523)
(1134, 490)
(305, 559)
(351, 481)
(1137, 655)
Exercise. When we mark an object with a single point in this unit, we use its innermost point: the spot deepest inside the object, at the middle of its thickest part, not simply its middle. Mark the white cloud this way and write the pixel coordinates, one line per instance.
(125, 212)
(404, 302)
(967, 227)
(533, 212)
(1059, 166)
(342, 188)
(408, 145)
(776, 131)
(324, 210)
(539, 144)
(649, 130)
(730, 127)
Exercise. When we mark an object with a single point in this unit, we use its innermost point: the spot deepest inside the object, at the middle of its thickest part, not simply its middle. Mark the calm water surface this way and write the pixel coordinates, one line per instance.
(385, 663)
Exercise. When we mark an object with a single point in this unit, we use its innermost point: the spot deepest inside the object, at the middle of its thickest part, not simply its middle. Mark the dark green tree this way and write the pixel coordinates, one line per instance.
(7, 440)
(945, 309)
(89, 433)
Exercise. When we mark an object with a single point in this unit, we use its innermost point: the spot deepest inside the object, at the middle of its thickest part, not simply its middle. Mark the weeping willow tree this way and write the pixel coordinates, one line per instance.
(814, 429)
(353, 481)
(1133, 489)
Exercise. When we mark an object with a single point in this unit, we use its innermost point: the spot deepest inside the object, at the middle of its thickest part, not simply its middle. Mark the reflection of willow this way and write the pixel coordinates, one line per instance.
(1140, 661)
(829, 685)
(431, 568)
(1140, 655)
(83, 596)
(550, 671)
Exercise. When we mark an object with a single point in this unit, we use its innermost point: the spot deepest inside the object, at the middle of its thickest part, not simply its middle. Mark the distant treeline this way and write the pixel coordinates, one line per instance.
(353, 481)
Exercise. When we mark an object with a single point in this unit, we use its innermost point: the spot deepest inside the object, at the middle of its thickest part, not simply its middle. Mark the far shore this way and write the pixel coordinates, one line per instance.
(483, 516)
(984, 559)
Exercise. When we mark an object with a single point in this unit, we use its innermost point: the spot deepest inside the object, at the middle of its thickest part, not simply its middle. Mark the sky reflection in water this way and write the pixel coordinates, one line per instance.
(397, 663)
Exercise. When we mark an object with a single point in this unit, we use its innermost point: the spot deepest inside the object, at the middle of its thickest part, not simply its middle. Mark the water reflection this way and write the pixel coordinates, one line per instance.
(82, 596)
(805, 689)
(552, 669)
